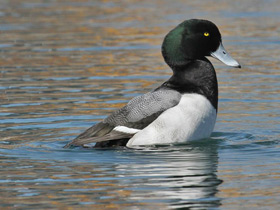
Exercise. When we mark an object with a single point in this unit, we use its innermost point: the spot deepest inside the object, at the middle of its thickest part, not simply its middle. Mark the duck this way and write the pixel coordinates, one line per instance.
(183, 108)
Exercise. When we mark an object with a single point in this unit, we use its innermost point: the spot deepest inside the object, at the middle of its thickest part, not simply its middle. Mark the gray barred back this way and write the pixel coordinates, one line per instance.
(142, 110)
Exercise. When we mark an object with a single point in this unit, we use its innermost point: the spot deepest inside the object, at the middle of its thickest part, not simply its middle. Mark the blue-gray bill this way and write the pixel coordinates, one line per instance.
(222, 55)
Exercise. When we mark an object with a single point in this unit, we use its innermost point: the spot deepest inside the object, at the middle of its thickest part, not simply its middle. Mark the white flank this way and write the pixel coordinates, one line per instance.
(124, 129)
(192, 119)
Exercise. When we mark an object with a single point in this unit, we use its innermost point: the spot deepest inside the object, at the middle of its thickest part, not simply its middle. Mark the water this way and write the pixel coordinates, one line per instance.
(66, 65)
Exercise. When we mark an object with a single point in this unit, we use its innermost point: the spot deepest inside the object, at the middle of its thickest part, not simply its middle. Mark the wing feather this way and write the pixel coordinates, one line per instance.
(138, 113)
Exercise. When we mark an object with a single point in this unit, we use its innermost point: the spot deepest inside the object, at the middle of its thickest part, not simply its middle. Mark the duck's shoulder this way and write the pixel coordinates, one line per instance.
(143, 109)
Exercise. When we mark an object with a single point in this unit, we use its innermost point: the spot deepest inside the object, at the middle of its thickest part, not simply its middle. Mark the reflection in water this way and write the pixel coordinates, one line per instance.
(185, 176)
(166, 177)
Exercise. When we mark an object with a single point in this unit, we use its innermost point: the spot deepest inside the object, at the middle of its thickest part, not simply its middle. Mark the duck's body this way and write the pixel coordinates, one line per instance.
(183, 108)
(193, 118)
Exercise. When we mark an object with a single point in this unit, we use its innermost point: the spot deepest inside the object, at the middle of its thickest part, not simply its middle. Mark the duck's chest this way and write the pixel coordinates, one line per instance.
(193, 118)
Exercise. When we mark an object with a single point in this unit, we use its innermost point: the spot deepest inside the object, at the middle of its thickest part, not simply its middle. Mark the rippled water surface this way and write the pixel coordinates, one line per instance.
(65, 65)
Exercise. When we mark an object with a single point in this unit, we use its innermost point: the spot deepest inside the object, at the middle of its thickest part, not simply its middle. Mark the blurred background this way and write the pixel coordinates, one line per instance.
(65, 65)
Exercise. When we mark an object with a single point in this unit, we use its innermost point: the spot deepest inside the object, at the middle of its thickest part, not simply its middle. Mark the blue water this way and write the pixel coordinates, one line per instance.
(67, 65)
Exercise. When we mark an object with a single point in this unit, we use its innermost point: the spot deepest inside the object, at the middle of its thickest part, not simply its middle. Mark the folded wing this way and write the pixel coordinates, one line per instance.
(136, 115)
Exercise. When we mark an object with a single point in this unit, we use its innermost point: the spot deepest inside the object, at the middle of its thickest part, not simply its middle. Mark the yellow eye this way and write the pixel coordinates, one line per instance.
(206, 34)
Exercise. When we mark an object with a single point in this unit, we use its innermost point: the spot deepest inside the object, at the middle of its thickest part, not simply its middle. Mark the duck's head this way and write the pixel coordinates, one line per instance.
(194, 39)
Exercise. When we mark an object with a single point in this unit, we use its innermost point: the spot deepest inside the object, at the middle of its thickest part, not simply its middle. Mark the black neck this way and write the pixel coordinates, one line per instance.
(197, 76)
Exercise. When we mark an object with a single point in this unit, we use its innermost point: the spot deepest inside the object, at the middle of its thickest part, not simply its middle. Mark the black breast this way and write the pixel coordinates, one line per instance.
(197, 76)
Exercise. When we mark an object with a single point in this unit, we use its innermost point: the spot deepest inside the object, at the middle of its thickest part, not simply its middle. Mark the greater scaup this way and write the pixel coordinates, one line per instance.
(183, 108)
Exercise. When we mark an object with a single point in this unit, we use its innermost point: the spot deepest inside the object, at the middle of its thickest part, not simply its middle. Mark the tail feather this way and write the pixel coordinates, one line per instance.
(100, 132)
